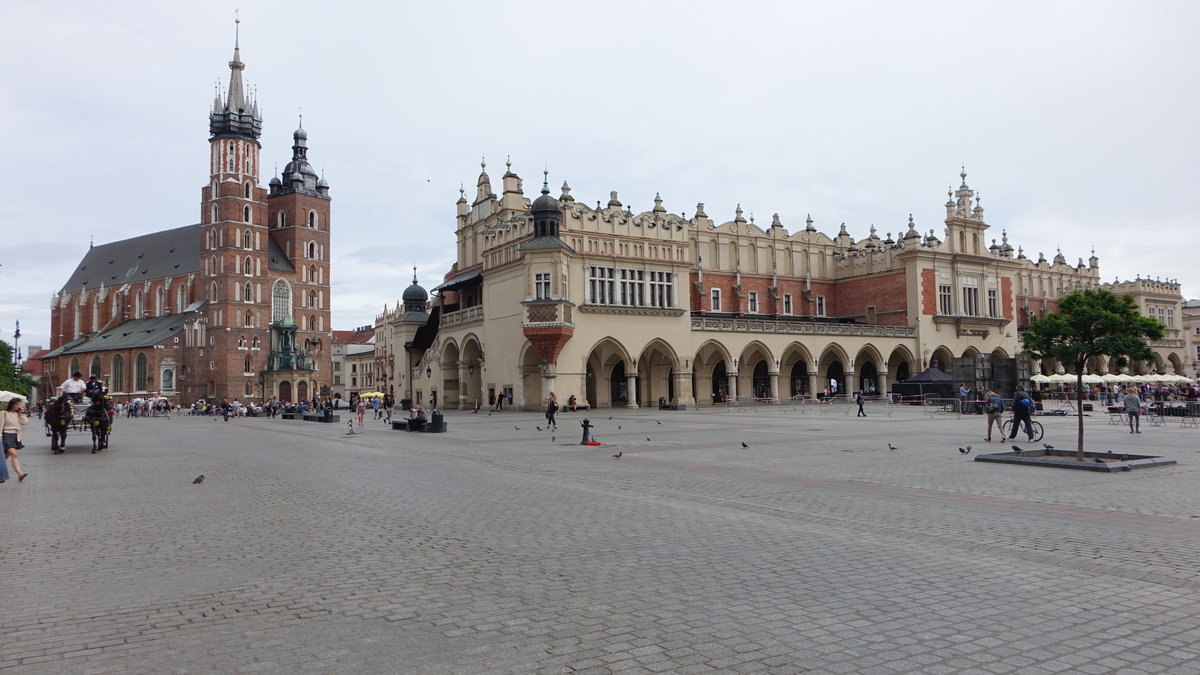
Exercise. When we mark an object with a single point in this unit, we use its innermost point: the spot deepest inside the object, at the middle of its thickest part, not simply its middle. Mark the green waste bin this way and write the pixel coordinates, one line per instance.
(436, 422)
(329, 414)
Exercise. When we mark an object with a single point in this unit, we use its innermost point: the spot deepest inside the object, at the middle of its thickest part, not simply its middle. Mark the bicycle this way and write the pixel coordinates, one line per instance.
(1038, 431)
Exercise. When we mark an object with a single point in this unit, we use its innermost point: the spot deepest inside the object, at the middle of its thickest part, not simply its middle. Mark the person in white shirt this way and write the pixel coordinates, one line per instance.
(75, 386)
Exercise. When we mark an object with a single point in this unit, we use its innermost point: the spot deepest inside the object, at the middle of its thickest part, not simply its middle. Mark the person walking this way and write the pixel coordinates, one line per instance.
(1133, 408)
(551, 410)
(361, 410)
(858, 398)
(15, 417)
(994, 406)
(963, 393)
(1022, 413)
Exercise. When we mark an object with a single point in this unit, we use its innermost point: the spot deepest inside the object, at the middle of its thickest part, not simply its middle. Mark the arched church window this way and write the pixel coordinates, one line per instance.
(248, 293)
(247, 239)
(312, 219)
(246, 214)
(248, 184)
(281, 301)
(248, 266)
(312, 250)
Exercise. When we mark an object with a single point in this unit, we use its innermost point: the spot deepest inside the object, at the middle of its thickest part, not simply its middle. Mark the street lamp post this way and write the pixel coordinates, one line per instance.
(16, 354)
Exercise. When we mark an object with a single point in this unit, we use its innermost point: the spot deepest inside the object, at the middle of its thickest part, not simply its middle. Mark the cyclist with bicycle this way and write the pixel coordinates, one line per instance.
(1022, 412)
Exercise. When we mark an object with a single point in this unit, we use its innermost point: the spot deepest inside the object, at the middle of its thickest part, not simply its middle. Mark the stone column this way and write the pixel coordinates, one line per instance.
(774, 384)
(731, 384)
(631, 389)
(463, 403)
(883, 383)
(683, 389)
(812, 385)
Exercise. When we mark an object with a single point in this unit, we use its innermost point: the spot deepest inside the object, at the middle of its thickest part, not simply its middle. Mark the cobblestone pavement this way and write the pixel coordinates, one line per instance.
(497, 549)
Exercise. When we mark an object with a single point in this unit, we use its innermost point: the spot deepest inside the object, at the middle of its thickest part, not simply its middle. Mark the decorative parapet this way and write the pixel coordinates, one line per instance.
(462, 317)
(801, 327)
(1166, 344)
(631, 311)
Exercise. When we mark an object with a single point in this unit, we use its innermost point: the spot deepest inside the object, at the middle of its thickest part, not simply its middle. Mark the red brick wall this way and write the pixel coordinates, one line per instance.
(1006, 302)
(887, 292)
(928, 293)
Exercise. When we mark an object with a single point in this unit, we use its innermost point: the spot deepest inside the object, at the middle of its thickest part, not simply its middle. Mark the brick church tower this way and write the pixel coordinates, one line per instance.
(236, 305)
(266, 259)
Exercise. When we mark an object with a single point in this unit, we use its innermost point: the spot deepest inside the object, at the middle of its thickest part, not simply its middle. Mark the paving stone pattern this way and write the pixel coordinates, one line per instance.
(496, 550)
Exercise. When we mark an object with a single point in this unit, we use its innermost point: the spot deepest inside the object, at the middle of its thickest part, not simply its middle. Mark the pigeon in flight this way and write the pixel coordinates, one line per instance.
(199, 479)
(618, 455)
(1016, 449)
(892, 447)
(744, 444)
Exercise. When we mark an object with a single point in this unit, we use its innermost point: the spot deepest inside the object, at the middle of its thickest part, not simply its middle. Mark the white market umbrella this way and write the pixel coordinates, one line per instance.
(6, 396)
(1040, 379)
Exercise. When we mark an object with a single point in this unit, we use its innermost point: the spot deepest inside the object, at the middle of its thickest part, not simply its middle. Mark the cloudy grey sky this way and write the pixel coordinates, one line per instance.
(1076, 121)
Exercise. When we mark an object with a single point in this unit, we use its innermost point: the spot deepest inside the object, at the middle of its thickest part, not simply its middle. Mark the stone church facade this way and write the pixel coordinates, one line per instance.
(234, 306)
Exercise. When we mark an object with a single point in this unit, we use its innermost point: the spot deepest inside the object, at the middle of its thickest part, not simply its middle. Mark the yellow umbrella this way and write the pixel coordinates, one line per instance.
(371, 394)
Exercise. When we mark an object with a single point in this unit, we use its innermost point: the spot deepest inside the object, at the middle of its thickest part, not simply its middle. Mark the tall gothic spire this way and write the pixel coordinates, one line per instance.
(236, 115)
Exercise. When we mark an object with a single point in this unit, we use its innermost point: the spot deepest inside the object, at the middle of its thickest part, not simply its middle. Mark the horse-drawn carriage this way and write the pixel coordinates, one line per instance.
(63, 415)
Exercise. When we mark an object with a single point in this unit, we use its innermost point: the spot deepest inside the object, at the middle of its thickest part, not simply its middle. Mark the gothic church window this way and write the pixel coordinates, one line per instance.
(312, 219)
(139, 373)
(247, 192)
(248, 266)
(248, 293)
(247, 241)
(117, 381)
(281, 301)
(246, 214)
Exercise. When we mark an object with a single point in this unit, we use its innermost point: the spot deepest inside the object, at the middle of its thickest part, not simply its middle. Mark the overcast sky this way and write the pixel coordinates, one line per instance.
(1076, 121)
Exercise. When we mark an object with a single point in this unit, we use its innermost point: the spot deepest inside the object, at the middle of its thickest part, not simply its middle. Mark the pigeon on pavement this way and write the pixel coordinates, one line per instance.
(744, 444)
(538, 428)
(892, 447)
(1047, 446)
(658, 421)
(1016, 449)
(199, 479)
(962, 451)
(618, 455)
(516, 427)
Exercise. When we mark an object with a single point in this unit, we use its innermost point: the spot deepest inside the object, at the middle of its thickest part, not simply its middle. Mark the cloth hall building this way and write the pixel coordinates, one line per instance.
(234, 306)
(625, 308)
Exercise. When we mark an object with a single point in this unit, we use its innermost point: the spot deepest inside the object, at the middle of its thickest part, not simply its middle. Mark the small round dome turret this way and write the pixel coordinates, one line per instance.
(415, 293)
(275, 181)
(300, 133)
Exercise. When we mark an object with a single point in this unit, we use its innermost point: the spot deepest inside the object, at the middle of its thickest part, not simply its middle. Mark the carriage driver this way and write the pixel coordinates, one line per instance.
(74, 386)
(93, 386)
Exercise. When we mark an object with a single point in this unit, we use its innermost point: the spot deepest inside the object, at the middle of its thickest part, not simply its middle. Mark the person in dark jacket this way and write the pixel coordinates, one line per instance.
(1022, 413)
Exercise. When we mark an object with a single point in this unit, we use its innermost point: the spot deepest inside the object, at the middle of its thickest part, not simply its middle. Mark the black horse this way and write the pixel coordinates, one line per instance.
(98, 417)
(58, 417)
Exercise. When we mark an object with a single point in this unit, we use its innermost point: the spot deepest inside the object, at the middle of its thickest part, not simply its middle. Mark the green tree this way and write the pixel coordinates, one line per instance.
(23, 384)
(1091, 323)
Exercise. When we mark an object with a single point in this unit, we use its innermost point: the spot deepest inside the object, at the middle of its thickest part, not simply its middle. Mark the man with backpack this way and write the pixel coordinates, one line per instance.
(995, 411)
(1022, 412)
